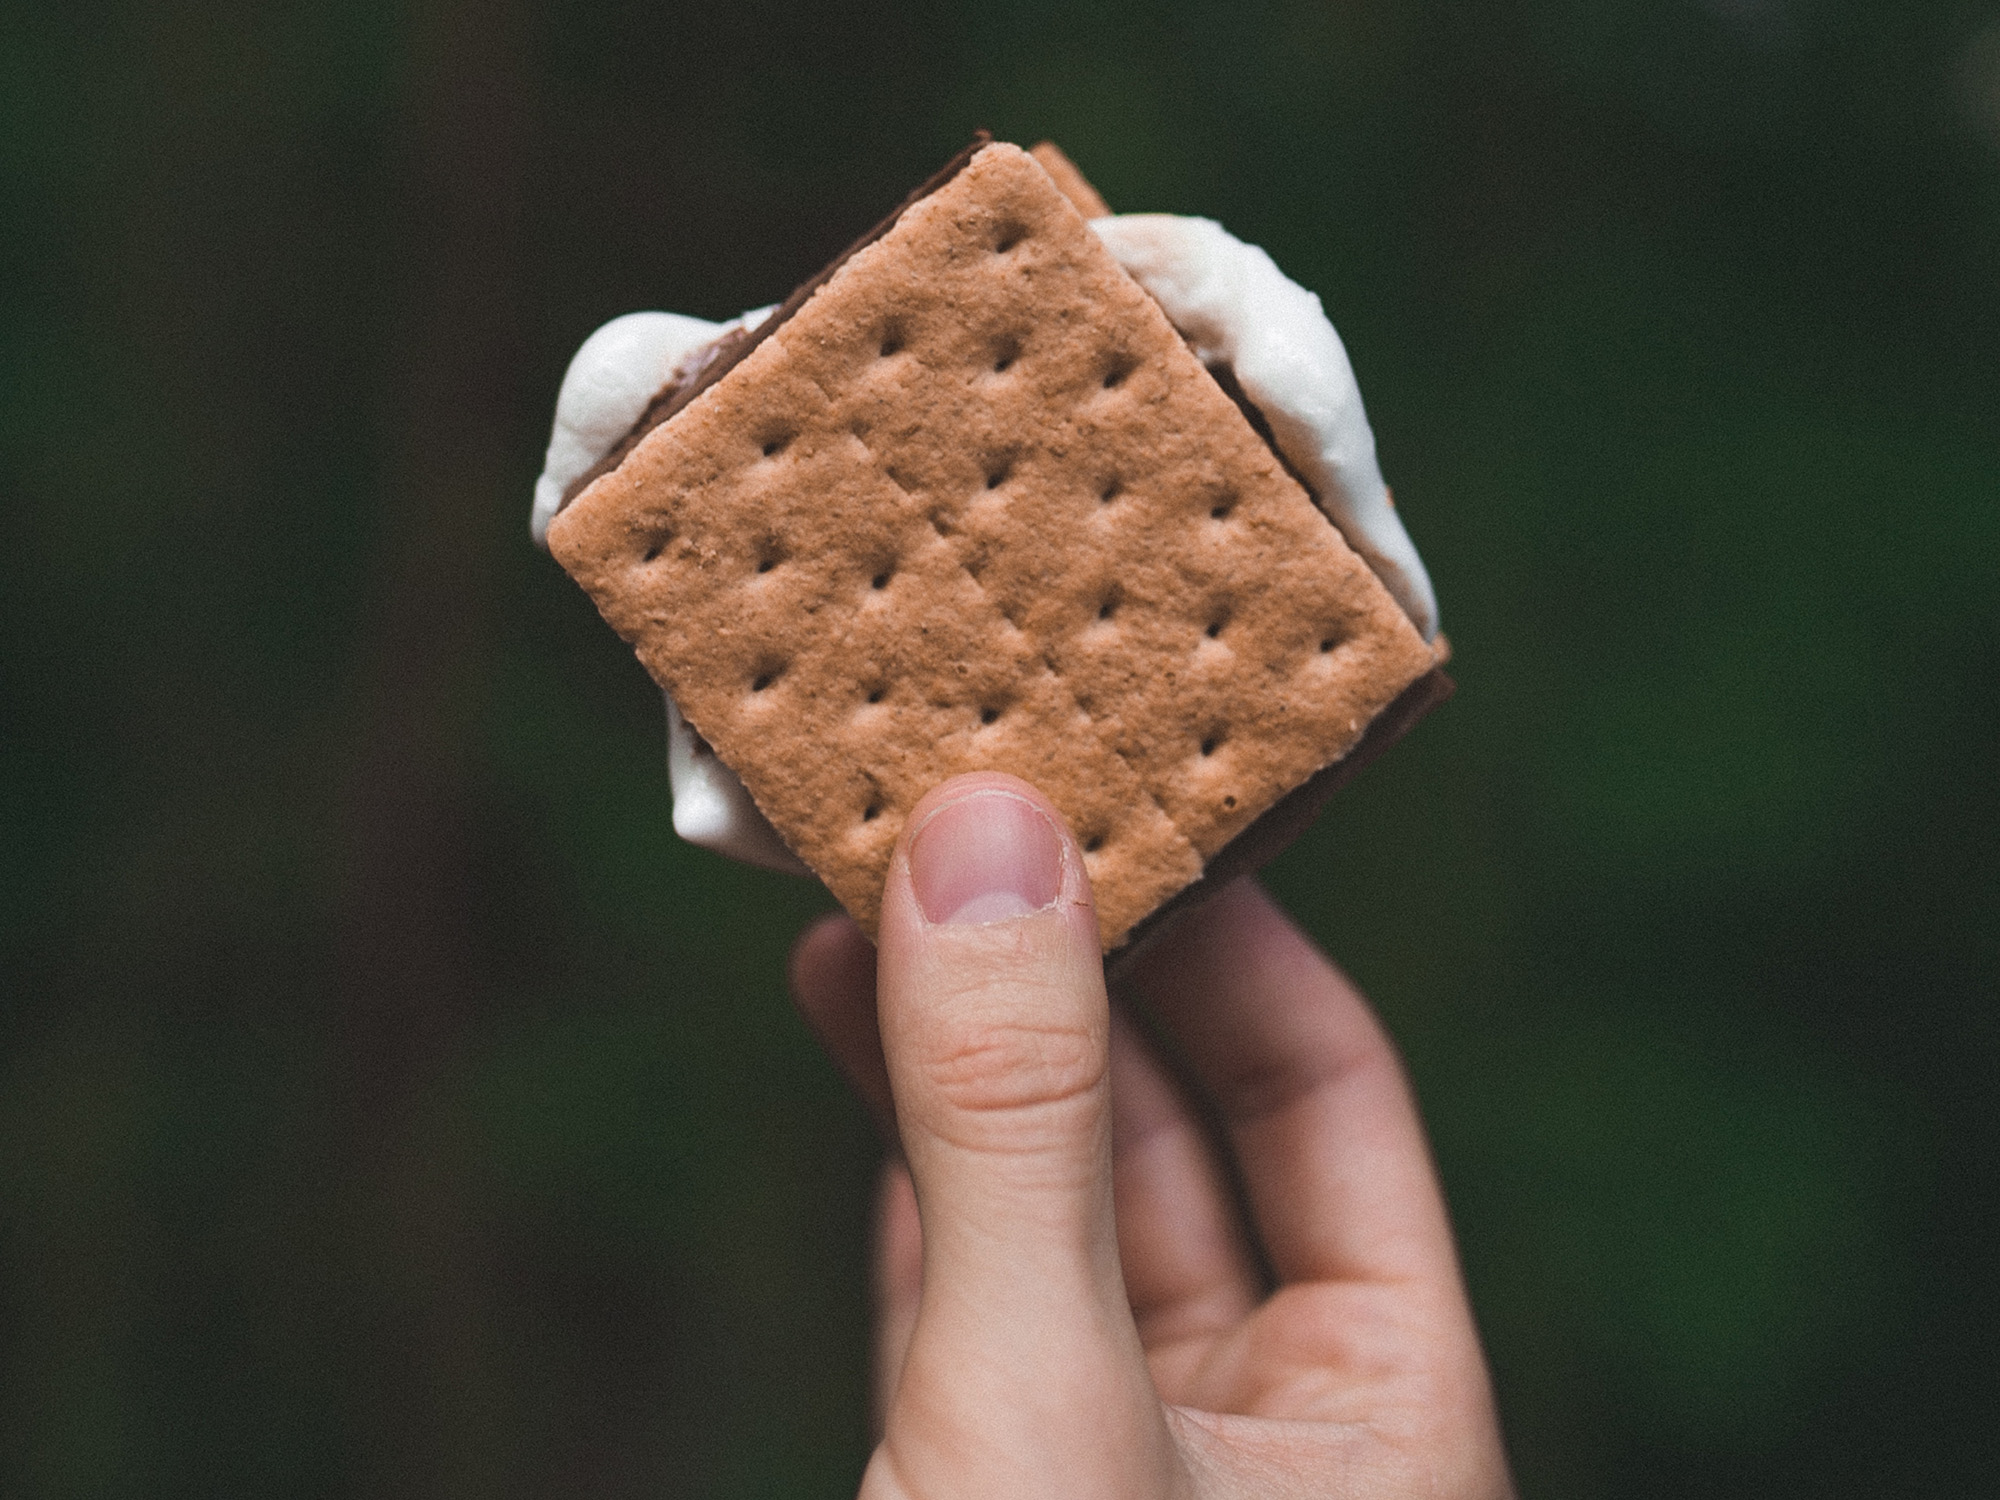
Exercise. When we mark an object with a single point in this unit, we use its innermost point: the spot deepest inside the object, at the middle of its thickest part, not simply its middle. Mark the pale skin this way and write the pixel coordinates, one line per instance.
(1067, 1302)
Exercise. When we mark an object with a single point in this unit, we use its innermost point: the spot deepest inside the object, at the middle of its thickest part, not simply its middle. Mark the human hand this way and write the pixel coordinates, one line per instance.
(1067, 1300)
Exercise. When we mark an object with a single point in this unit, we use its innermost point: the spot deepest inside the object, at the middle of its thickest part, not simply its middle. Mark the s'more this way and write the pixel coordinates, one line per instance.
(1013, 484)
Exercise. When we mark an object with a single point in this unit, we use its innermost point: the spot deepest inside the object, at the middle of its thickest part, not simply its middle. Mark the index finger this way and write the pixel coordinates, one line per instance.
(1310, 1091)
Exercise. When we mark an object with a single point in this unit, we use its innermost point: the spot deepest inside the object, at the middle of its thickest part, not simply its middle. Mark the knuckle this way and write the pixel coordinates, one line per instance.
(1012, 1067)
(1256, 1087)
(1260, 1082)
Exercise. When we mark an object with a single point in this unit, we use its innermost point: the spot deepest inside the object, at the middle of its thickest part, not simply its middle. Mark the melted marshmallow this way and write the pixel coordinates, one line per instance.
(1238, 309)
(1227, 298)
(608, 386)
(713, 809)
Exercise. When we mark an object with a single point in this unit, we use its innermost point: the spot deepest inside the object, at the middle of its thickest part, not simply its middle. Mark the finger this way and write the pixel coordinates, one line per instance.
(995, 1028)
(1187, 1270)
(1310, 1090)
(898, 1283)
(833, 986)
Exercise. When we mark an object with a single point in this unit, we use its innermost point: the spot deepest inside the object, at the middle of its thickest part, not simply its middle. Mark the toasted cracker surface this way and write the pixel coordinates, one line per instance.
(976, 506)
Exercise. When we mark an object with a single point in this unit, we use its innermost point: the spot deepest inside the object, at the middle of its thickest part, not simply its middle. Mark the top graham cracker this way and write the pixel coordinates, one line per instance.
(977, 506)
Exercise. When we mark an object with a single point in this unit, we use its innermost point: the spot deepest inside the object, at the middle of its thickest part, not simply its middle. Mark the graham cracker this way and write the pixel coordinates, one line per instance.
(1070, 182)
(976, 506)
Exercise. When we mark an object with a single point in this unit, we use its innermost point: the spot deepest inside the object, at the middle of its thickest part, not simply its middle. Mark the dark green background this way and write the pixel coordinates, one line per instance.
(390, 1106)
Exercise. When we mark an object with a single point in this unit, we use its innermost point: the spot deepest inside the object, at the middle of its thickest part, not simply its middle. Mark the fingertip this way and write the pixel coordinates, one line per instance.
(1223, 920)
(982, 848)
(986, 928)
(1239, 930)
(833, 989)
(831, 957)
(972, 782)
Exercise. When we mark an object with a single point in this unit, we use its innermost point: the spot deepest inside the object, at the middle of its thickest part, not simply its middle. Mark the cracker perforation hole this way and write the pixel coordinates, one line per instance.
(656, 547)
(997, 472)
(1216, 625)
(775, 443)
(871, 812)
(940, 523)
(1007, 237)
(1094, 843)
(1229, 802)
(765, 678)
(1211, 743)
(1004, 354)
(769, 557)
(881, 579)
(1116, 370)
(1111, 491)
(1222, 508)
(1327, 643)
(877, 693)
(989, 714)
(1108, 606)
(892, 342)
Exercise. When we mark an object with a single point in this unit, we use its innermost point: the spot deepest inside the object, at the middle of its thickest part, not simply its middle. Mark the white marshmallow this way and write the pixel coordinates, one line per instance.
(713, 809)
(608, 385)
(1237, 308)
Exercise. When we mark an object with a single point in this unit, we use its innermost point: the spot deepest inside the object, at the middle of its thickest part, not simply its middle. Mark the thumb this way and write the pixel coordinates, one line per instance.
(996, 1032)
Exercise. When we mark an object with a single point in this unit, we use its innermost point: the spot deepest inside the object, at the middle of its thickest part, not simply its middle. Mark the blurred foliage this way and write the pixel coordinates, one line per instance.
(388, 1103)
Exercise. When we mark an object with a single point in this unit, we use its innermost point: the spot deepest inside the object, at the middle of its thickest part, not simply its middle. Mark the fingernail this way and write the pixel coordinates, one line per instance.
(984, 858)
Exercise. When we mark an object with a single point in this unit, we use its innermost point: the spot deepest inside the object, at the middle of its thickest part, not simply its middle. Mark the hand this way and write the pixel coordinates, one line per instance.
(1068, 1303)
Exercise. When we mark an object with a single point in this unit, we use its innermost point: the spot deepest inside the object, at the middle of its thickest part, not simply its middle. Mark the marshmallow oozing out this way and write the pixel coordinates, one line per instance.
(1238, 309)
(607, 388)
(1227, 298)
